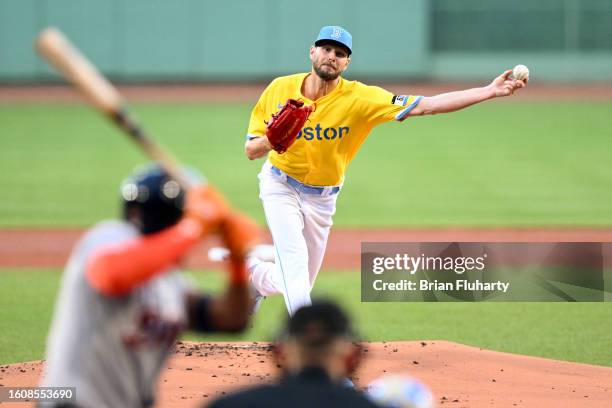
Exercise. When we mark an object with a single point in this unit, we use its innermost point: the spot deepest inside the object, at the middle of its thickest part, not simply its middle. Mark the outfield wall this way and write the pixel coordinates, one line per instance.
(243, 40)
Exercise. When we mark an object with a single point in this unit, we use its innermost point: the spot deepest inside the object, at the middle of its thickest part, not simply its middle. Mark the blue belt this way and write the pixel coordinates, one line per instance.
(304, 188)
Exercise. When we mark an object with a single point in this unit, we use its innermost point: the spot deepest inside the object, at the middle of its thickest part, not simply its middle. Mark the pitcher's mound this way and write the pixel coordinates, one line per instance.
(460, 376)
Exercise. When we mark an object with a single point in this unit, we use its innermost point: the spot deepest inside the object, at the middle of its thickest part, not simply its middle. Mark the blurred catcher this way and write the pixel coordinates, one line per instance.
(123, 300)
(316, 350)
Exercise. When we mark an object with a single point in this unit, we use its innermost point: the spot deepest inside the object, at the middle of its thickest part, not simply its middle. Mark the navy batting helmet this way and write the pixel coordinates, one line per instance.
(152, 200)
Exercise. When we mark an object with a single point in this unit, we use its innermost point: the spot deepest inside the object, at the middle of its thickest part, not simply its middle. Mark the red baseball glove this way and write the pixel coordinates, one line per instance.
(283, 128)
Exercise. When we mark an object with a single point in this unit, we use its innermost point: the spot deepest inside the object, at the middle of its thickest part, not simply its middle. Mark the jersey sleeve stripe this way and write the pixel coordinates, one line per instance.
(402, 115)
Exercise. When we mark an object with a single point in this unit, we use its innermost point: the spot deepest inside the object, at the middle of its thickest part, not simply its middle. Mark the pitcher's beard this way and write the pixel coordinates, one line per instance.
(326, 75)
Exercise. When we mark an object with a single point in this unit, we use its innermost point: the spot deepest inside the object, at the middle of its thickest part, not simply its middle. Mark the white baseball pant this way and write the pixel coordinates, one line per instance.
(299, 221)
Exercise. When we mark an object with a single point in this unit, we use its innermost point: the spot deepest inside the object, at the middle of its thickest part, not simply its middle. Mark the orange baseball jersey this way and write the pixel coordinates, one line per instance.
(335, 130)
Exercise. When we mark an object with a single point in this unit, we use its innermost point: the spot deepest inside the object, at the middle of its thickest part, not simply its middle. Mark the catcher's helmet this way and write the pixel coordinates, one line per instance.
(151, 199)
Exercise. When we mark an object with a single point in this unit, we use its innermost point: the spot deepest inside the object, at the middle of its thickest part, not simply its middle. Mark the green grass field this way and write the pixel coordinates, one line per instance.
(567, 331)
(495, 164)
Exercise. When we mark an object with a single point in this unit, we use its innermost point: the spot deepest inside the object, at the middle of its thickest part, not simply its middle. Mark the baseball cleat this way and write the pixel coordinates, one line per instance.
(257, 297)
(260, 253)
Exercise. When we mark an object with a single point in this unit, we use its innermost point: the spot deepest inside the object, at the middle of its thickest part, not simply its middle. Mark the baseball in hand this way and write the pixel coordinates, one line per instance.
(520, 72)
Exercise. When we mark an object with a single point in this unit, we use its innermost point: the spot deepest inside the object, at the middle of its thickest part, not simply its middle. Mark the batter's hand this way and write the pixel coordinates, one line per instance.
(207, 206)
(240, 234)
(503, 85)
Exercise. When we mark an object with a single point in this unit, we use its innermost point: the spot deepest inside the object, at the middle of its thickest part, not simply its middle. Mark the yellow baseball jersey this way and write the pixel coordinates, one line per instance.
(334, 131)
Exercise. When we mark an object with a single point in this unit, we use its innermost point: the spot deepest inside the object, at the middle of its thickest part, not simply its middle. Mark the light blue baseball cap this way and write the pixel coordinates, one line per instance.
(336, 34)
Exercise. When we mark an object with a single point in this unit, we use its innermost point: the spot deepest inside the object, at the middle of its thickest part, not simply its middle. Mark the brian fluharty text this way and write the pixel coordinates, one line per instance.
(403, 285)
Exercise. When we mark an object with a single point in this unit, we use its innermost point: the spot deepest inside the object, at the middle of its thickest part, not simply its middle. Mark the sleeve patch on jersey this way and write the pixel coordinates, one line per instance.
(399, 100)
(404, 113)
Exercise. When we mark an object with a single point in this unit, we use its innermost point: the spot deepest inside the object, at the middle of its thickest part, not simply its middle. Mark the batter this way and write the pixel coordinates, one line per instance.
(123, 300)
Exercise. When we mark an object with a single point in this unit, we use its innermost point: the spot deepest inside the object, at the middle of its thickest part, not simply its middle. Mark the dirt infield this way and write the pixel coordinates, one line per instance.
(51, 247)
(460, 376)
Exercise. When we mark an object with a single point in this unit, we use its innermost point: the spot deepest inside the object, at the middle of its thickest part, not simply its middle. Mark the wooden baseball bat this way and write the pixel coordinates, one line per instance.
(102, 95)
